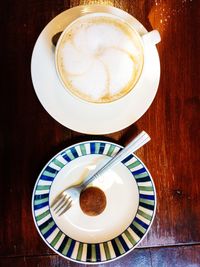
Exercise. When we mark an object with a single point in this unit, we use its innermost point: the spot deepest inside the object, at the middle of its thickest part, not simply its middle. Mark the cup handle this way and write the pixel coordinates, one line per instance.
(152, 37)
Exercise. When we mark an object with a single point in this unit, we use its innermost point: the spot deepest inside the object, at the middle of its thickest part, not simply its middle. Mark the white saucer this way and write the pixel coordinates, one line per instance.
(79, 115)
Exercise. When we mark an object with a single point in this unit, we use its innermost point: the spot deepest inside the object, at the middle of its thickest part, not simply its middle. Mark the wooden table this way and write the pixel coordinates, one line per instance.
(30, 137)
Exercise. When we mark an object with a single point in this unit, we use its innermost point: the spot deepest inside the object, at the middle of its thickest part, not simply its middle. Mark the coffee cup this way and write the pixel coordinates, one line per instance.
(99, 57)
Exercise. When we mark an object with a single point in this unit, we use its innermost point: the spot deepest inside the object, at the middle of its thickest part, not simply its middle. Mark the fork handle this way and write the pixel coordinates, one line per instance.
(134, 145)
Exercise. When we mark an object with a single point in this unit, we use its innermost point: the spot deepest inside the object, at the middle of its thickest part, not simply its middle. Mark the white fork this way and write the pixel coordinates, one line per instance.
(65, 199)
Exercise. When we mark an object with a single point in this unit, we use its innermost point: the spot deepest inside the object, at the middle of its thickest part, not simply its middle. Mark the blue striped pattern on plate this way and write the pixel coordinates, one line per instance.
(100, 252)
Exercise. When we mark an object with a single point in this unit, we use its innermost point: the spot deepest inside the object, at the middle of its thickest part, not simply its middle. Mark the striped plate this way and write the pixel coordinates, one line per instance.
(130, 209)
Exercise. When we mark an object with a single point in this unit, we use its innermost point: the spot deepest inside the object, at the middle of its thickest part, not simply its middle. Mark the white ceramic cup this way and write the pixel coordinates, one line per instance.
(150, 38)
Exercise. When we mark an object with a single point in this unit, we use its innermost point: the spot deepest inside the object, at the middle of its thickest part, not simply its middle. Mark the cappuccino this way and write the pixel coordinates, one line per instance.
(99, 58)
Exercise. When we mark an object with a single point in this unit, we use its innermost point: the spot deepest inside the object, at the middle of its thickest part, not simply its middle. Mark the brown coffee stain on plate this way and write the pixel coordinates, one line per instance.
(92, 201)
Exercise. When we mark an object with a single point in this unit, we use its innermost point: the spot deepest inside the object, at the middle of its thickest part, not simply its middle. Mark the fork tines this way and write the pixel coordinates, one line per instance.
(61, 204)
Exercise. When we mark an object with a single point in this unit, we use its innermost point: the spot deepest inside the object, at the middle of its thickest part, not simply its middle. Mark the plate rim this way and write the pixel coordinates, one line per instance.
(90, 129)
(104, 261)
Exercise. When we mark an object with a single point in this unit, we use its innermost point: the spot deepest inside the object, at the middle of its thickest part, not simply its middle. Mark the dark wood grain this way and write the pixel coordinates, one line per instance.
(176, 256)
(30, 137)
(183, 256)
(139, 258)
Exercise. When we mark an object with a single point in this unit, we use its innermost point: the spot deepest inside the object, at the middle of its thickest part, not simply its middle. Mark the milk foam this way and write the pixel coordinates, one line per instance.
(99, 58)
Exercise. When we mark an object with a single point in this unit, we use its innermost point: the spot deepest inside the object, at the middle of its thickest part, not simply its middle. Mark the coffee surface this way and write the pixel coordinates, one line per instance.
(99, 58)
